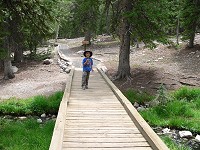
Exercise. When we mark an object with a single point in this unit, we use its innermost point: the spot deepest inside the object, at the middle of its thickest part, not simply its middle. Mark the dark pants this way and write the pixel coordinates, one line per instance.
(85, 78)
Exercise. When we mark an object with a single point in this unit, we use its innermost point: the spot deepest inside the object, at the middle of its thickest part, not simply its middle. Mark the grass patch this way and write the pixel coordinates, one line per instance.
(32, 106)
(182, 111)
(179, 110)
(25, 135)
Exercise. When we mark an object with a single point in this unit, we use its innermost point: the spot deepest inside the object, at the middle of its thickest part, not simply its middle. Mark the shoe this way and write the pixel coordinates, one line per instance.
(86, 87)
(83, 87)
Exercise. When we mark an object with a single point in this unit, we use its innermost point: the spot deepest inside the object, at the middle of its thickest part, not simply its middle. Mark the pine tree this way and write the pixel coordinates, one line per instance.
(191, 19)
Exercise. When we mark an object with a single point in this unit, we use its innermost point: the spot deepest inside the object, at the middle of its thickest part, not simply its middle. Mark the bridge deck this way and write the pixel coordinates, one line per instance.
(95, 119)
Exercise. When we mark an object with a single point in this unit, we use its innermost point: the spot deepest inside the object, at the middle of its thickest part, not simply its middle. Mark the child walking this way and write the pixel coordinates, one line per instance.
(87, 67)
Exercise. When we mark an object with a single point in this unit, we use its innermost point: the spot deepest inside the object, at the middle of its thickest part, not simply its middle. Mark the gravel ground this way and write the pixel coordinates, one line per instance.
(33, 79)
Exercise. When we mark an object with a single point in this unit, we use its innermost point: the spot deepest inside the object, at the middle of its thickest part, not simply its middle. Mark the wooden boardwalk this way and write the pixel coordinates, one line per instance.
(99, 118)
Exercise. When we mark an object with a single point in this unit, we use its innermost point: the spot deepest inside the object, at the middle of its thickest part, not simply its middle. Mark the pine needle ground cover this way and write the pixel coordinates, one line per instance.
(16, 134)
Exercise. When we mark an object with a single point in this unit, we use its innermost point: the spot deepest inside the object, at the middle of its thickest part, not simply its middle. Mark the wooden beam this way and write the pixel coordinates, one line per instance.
(153, 139)
(58, 134)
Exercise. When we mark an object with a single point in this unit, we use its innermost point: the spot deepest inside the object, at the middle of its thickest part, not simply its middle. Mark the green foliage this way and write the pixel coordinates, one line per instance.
(26, 134)
(188, 94)
(191, 17)
(32, 106)
(25, 24)
(138, 97)
(172, 144)
(148, 20)
(162, 97)
(81, 16)
(181, 111)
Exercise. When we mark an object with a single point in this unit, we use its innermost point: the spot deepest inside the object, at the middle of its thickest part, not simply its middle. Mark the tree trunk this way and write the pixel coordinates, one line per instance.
(88, 36)
(192, 36)
(8, 72)
(108, 21)
(1, 65)
(18, 55)
(177, 30)
(57, 31)
(124, 54)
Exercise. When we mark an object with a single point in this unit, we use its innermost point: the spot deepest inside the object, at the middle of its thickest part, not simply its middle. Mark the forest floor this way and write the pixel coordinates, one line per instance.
(149, 68)
(165, 65)
(33, 78)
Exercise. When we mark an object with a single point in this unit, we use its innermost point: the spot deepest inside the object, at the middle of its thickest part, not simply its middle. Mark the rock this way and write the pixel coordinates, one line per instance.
(140, 108)
(80, 52)
(8, 117)
(47, 61)
(53, 116)
(67, 70)
(166, 130)
(43, 115)
(47, 118)
(15, 69)
(185, 134)
(136, 105)
(22, 118)
(197, 138)
(70, 63)
(147, 104)
(39, 120)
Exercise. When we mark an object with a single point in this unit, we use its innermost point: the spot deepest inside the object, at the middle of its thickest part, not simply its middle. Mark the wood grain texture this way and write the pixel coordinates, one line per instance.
(95, 119)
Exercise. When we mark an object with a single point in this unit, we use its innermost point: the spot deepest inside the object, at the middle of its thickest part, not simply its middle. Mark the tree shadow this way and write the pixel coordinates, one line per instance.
(143, 79)
(188, 60)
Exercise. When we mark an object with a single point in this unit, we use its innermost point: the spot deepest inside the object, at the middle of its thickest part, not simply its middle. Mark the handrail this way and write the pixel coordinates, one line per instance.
(153, 139)
(57, 138)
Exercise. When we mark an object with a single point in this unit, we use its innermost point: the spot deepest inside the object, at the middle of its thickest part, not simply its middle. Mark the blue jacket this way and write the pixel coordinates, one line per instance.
(88, 66)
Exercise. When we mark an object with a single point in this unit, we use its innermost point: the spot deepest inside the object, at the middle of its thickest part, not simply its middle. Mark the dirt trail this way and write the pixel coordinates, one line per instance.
(150, 68)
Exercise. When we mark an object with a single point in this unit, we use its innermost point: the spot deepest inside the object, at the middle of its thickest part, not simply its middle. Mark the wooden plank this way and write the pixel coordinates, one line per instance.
(155, 142)
(102, 135)
(98, 125)
(103, 131)
(96, 110)
(104, 145)
(97, 121)
(103, 140)
(57, 138)
(98, 128)
(116, 148)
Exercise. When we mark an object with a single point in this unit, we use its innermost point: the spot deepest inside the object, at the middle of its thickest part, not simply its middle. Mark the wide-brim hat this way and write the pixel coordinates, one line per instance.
(87, 52)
